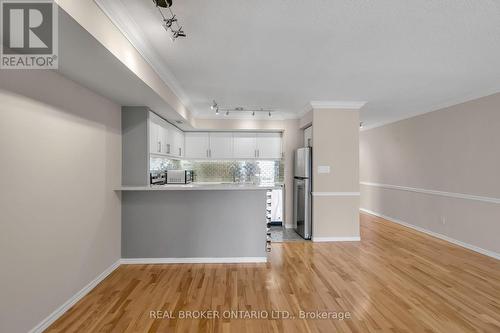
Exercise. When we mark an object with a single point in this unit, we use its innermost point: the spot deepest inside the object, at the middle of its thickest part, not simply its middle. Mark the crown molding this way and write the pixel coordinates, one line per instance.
(349, 105)
(130, 29)
(434, 108)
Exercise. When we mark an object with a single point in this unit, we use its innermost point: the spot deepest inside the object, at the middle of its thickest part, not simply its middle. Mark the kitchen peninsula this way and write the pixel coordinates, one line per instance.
(201, 221)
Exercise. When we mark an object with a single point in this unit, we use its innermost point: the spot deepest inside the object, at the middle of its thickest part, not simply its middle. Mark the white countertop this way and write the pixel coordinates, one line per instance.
(203, 186)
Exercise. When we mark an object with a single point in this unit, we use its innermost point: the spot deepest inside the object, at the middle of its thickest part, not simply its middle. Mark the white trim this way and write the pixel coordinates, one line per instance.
(336, 239)
(350, 105)
(435, 107)
(434, 192)
(335, 194)
(202, 260)
(44, 324)
(435, 234)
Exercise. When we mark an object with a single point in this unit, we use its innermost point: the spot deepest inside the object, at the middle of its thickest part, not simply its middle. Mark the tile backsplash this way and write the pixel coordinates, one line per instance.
(251, 171)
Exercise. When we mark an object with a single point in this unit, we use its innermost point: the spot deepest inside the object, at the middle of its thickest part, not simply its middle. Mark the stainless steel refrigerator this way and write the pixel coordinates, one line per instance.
(302, 184)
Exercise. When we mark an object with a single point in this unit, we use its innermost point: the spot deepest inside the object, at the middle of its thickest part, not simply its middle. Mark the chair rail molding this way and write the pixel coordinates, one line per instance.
(434, 192)
(336, 194)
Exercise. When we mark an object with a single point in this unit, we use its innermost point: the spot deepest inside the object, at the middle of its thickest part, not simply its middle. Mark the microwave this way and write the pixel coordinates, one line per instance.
(179, 176)
(157, 178)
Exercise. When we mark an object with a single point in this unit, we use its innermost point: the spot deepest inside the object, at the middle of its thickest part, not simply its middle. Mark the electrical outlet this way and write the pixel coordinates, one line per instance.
(323, 169)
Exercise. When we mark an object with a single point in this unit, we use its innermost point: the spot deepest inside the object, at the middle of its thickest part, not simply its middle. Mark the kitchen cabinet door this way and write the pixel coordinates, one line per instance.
(269, 145)
(154, 138)
(221, 145)
(197, 145)
(163, 132)
(170, 143)
(244, 145)
(178, 144)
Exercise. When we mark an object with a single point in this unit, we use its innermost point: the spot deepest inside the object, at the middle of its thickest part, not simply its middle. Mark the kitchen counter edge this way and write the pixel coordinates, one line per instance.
(200, 187)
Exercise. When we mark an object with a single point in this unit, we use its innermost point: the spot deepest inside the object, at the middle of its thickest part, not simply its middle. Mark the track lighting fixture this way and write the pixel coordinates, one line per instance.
(169, 22)
(239, 109)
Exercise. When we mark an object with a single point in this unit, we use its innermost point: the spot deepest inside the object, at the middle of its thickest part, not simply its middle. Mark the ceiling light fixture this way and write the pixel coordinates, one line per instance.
(239, 109)
(361, 125)
(168, 22)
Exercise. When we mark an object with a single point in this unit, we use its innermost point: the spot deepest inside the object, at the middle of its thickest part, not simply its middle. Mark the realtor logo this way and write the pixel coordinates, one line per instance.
(29, 34)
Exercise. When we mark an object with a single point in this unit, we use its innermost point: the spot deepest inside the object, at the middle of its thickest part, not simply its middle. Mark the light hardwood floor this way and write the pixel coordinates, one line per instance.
(394, 280)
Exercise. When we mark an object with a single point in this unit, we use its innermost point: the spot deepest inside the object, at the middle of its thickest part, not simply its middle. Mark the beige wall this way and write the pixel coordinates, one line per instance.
(452, 150)
(335, 199)
(60, 150)
(292, 139)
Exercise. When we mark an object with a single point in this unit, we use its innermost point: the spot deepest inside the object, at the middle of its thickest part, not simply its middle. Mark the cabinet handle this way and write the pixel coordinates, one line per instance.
(180, 151)
(168, 148)
(210, 153)
(159, 146)
(207, 153)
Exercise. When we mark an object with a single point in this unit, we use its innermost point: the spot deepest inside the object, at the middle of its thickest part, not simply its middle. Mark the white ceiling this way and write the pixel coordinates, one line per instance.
(403, 57)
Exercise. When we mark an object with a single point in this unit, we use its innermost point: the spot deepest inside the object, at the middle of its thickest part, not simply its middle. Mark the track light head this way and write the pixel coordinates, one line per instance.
(227, 113)
(168, 22)
(178, 33)
(269, 113)
(163, 3)
(253, 113)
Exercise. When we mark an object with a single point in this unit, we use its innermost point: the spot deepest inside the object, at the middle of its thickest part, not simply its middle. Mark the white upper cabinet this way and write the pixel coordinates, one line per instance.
(197, 145)
(154, 138)
(168, 140)
(269, 145)
(178, 143)
(175, 142)
(170, 146)
(221, 145)
(163, 135)
(245, 145)
(165, 138)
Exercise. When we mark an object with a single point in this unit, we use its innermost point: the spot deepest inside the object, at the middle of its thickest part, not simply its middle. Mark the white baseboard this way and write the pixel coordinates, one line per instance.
(336, 239)
(235, 260)
(44, 324)
(289, 226)
(435, 234)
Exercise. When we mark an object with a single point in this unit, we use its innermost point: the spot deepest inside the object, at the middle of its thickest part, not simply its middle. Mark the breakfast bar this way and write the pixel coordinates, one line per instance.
(194, 223)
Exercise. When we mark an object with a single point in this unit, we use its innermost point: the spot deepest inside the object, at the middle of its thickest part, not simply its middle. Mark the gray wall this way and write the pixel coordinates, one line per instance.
(452, 150)
(135, 146)
(193, 224)
(60, 150)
